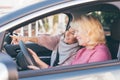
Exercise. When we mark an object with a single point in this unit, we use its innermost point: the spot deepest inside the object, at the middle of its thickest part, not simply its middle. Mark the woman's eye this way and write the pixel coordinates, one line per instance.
(72, 33)
(76, 31)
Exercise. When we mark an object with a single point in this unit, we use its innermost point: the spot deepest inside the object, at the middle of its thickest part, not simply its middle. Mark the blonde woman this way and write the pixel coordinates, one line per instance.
(90, 34)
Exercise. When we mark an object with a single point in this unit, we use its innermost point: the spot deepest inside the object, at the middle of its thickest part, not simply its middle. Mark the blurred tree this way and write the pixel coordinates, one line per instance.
(106, 18)
(45, 23)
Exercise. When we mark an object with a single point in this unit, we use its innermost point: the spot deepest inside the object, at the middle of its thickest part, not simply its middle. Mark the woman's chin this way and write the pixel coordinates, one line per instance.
(81, 44)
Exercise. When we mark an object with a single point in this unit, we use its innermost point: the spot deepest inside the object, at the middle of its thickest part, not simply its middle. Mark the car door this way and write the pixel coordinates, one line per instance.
(102, 71)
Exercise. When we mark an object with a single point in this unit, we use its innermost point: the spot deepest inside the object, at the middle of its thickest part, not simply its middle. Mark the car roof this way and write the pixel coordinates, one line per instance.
(34, 7)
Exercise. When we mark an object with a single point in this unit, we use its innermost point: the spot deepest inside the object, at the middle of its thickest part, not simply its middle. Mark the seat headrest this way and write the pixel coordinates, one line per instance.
(115, 30)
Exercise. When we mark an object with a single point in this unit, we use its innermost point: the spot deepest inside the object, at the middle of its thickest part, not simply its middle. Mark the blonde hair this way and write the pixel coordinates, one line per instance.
(92, 27)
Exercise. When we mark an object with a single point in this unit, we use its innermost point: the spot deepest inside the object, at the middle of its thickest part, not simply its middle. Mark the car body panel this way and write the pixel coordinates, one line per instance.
(76, 72)
(92, 74)
(8, 68)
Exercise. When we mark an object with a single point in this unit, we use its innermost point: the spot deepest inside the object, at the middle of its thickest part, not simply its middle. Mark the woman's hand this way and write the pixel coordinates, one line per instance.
(33, 67)
(39, 62)
(15, 39)
(34, 55)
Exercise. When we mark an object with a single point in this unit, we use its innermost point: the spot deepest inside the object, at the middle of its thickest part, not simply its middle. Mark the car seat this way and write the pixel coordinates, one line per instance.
(114, 39)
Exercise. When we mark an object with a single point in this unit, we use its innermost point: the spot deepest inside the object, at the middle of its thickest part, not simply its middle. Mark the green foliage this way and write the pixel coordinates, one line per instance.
(106, 18)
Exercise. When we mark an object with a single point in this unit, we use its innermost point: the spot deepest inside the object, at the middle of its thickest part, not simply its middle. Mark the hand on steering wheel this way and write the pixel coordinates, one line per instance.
(29, 59)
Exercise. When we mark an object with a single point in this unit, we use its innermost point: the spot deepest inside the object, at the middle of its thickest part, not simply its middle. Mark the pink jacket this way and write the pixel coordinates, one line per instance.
(99, 53)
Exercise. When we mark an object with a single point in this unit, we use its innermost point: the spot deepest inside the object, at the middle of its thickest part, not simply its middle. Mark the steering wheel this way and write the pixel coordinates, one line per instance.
(28, 58)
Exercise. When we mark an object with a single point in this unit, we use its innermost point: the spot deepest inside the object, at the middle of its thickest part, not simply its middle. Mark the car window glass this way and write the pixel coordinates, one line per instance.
(52, 25)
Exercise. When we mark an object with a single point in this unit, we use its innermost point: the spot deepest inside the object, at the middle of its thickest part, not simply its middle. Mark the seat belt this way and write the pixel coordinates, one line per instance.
(57, 59)
(118, 54)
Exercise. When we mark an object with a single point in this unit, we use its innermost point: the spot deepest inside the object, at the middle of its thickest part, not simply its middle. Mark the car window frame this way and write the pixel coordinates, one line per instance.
(72, 68)
(2, 35)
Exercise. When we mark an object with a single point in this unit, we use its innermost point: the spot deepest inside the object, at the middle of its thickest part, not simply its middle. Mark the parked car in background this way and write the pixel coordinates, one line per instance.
(53, 17)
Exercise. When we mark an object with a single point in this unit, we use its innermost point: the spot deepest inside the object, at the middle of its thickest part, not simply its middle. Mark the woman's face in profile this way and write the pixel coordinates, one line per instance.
(69, 36)
(82, 37)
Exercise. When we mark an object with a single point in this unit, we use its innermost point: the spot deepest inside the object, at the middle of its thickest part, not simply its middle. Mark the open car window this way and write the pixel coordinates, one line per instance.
(51, 25)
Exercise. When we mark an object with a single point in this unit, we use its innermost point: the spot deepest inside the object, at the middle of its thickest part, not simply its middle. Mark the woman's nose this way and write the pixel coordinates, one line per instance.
(67, 33)
(75, 34)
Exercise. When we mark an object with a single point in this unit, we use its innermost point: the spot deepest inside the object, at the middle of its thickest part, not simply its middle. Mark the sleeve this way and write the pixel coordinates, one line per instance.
(48, 41)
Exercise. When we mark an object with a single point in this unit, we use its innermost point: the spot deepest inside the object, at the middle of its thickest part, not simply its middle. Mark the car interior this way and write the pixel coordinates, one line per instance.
(110, 21)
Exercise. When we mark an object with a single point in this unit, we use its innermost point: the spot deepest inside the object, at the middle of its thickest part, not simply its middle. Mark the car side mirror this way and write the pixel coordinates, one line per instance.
(8, 69)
